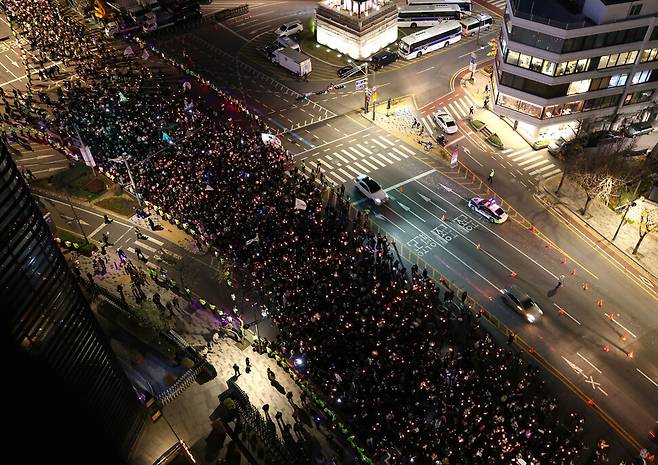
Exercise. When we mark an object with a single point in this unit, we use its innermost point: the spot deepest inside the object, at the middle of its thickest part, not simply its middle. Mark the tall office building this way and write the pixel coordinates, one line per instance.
(561, 63)
(66, 394)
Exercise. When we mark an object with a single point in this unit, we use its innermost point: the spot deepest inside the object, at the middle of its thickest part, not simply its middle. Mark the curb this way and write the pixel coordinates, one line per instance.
(565, 208)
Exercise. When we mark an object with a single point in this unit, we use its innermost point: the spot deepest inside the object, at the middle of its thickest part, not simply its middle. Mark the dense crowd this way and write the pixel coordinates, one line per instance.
(414, 375)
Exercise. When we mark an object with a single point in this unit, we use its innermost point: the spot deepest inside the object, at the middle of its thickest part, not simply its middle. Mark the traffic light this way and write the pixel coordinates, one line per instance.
(493, 43)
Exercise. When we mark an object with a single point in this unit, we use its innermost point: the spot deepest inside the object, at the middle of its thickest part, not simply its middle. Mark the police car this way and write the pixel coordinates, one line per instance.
(488, 208)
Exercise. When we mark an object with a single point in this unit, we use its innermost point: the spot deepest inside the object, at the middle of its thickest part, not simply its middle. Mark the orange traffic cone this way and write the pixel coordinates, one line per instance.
(599, 303)
(622, 338)
(590, 403)
(585, 286)
(630, 354)
(443, 217)
(513, 274)
(401, 189)
(561, 311)
(563, 260)
(477, 246)
(573, 272)
(606, 348)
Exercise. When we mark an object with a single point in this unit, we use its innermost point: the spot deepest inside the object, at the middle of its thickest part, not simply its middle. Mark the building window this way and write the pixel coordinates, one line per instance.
(562, 109)
(578, 87)
(512, 58)
(617, 59)
(640, 77)
(635, 10)
(548, 68)
(617, 80)
(638, 97)
(650, 54)
(524, 61)
(600, 83)
(601, 102)
(519, 105)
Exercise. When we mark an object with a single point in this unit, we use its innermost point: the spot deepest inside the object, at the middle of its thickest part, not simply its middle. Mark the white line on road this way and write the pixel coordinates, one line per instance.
(588, 362)
(427, 69)
(160, 243)
(415, 178)
(97, 230)
(650, 380)
(331, 142)
(620, 325)
(147, 247)
(567, 313)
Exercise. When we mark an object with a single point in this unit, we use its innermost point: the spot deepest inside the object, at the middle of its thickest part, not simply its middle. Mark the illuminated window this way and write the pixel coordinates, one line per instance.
(617, 80)
(548, 68)
(578, 87)
(650, 54)
(640, 77)
(513, 57)
(519, 105)
(524, 61)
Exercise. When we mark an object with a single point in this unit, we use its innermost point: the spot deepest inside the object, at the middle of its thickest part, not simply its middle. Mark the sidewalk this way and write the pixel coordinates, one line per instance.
(604, 222)
(511, 139)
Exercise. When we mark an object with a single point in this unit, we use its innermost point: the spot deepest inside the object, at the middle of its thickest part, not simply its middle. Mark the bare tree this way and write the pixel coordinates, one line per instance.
(648, 223)
(571, 156)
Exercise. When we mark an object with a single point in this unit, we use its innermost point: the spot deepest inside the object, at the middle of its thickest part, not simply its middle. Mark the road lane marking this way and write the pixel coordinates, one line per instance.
(393, 156)
(543, 168)
(331, 142)
(348, 154)
(415, 178)
(567, 313)
(535, 165)
(363, 160)
(349, 176)
(98, 229)
(386, 140)
(378, 143)
(338, 155)
(614, 320)
(588, 362)
(376, 161)
(533, 157)
(497, 288)
(361, 155)
(650, 380)
(336, 176)
(145, 246)
(426, 69)
(363, 169)
(482, 225)
(325, 165)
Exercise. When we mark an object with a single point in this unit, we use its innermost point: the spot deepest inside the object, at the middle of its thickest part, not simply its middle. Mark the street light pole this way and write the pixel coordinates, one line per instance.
(75, 215)
(623, 218)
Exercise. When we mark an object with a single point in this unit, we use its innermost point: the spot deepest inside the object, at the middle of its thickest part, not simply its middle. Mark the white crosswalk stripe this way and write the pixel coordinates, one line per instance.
(383, 157)
(336, 177)
(325, 165)
(362, 168)
(348, 154)
(361, 155)
(160, 243)
(379, 143)
(428, 122)
(387, 141)
(543, 161)
(363, 160)
(377, 161)
(551, 173)
(529, 160)
(347, 175)
(543, 168)
(523, 156)
(356, 172)
(338, 155)
(393, 156)
(144, 246)
(364, 149)
(402, 154)
(499, 3)
(404, 147)
(518, 152)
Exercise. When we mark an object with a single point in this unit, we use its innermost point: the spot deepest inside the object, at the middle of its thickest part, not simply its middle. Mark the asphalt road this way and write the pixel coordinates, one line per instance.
(477, 256)
(483, 258)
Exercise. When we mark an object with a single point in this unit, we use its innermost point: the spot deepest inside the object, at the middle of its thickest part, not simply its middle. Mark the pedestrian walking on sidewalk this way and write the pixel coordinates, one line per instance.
(248, 365)
(107, 219)
(471, 111)
(486, 102)
(236, 370)
(491, 176)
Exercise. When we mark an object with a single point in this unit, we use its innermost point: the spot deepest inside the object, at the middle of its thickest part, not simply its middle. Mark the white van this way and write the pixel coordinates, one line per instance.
(287, 42)
(478, 21)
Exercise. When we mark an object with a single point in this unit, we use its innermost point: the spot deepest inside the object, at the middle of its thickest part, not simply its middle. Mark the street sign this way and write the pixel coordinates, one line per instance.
(368, 92)
(360, 84)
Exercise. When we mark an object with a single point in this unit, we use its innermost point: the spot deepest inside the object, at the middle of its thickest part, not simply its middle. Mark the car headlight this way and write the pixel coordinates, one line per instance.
(531, 319)
(378, 202)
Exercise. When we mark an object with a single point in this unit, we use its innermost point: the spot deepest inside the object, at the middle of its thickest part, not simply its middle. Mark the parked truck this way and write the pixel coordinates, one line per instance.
(294, 61)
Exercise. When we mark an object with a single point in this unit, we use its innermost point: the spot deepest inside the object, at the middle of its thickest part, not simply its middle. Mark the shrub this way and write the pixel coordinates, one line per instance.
(477, 124)
(495, 141)
(169, 379)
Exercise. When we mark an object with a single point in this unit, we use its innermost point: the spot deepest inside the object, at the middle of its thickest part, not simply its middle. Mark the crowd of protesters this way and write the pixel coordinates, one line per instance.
(414, 376)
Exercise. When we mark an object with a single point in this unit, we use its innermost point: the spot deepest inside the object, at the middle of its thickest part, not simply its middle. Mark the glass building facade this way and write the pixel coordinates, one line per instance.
(48, 322)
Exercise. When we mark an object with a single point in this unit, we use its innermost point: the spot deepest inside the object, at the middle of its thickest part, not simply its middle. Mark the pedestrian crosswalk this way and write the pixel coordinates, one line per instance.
(532, 163)
(502, 4)
(459, 109)
(343, 162)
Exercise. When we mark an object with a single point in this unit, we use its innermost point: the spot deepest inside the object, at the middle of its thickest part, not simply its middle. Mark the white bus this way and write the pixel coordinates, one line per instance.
(427, 15)
(479, 22)
(464, 5)
(420, 43)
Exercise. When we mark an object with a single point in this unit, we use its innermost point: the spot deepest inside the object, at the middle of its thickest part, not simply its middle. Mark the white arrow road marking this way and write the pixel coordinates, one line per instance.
(408, 210)
(380, 217)
(575, 367)
(427, 199)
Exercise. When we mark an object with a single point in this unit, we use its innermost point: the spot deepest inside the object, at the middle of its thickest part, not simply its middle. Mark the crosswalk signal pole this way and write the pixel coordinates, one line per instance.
(365, 90)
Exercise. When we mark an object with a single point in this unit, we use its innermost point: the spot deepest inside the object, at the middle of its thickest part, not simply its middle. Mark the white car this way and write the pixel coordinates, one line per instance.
(489, 209)
(445, 121)
(289, 29)
(371, 189)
